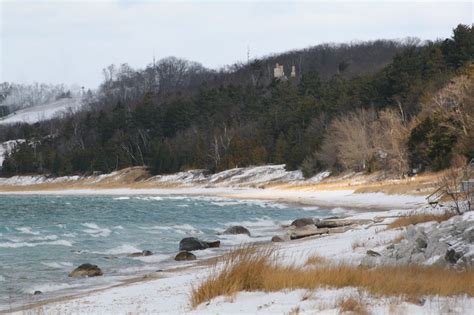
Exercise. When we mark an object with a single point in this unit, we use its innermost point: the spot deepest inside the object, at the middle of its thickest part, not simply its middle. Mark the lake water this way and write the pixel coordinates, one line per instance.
(43, 238)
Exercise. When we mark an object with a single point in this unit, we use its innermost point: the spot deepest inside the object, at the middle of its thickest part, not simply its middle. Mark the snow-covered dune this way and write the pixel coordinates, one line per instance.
(34, 114)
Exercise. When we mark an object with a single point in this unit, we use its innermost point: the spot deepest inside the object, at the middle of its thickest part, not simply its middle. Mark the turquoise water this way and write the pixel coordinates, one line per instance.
(43, 238)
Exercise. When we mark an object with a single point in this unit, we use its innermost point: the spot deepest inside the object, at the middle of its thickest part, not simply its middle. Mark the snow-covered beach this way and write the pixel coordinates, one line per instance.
(168, 290)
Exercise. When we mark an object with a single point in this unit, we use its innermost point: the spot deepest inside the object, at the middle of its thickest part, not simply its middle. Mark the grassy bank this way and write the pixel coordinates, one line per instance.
(257, 269)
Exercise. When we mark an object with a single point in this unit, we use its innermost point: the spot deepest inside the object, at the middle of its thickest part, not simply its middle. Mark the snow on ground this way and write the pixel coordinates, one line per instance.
(34, 114)
(6, 147)
(170, 293)
(239, 176)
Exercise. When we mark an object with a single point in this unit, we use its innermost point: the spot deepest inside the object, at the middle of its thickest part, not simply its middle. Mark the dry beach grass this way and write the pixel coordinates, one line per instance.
(420, 218)
(256, 269)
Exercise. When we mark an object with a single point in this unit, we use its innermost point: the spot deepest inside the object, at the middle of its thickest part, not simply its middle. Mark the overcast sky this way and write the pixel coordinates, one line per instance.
(72, 41)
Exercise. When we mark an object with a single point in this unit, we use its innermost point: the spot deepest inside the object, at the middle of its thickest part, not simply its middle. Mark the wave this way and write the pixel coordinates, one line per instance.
(122, 249)
(311, 208)
(149, 198)
(338, 210)
(27, 230)
(121, 198)
(224, 202)
(26, 244)
(95, 231)
(50, 287)
(2, 278)
(56, 265)
(44, 238)
(184, 229)
(152, 258)
(257, 223)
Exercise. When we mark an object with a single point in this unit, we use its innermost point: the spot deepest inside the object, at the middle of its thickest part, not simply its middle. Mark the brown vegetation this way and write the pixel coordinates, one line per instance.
(315, 260)
(353, 305)
(256, 269)
(420, 218)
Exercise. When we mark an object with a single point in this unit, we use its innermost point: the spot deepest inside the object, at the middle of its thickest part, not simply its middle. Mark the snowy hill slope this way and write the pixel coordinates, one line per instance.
(6, 147)
(34, 114)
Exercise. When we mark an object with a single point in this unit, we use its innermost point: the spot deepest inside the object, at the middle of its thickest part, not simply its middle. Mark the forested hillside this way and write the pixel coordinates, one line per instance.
(382, 105)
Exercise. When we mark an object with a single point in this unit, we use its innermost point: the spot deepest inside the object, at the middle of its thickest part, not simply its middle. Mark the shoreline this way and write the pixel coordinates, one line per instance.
(342, 198)
(353, 210)
(352, 204)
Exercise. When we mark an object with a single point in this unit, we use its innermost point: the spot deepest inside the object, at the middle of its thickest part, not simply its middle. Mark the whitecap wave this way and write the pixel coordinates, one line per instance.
(152, 258)
(27, 230)
(338, 210)
(26, 244)
(44, 238)
(121, 198)
(56, 265)
(150, 198)
(184, 229)
(95, 231)
(50, 287)
(257, 223)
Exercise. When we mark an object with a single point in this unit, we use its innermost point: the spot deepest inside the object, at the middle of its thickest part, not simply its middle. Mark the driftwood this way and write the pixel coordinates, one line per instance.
(340, 223)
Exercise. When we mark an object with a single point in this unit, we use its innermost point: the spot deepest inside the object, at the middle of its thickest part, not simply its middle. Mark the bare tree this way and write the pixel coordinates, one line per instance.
(220, 144)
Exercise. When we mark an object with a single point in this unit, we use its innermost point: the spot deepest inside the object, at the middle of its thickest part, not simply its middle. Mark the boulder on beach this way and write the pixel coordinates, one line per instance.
(237, 229)
(192, 243)
(185, 255)
(86, 270)
(302, 222)
(140, 254)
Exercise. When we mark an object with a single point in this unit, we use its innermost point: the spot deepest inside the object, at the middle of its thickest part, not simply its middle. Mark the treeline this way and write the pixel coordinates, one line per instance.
(409, 108)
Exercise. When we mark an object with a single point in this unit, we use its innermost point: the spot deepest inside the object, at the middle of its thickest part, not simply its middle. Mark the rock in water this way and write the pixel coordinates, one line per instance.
(142, 253)
(37, 292)
(86, 270)
(184, 255)
(192, 243)
(302, 222)
(238, 229)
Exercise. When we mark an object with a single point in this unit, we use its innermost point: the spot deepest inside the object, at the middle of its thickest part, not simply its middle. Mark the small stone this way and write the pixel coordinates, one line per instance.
(373, 253)
(277, 239)
(37, 292)
(142, 253)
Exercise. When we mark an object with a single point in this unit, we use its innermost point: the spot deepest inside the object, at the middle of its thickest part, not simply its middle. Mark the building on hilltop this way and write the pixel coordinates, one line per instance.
(279, 72)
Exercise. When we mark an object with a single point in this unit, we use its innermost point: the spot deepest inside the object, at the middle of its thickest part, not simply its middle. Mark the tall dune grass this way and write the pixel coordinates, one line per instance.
(256, 269)
(420, 218)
